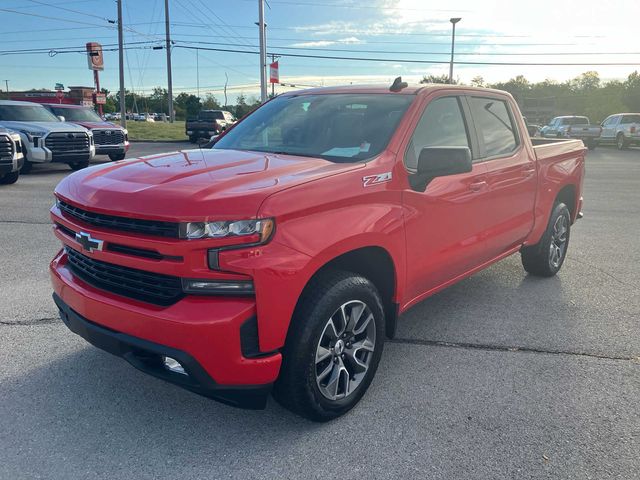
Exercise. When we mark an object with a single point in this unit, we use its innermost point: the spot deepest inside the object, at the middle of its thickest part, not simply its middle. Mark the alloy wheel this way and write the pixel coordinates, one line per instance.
(345, 350)
(559, 239)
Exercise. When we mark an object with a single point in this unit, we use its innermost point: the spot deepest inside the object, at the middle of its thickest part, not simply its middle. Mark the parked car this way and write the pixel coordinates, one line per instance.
(45, 138)
(281, 258)
(11, 157)
(109, 139)
(622, 129)
(573, 127)
(208, 123)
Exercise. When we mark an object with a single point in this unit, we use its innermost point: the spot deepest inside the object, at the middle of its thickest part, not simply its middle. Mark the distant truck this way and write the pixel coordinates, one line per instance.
(622, 129)
(11, 157)
(573, 126)
(281, 258)
(45, 138)
(208, 123)
(110, 139)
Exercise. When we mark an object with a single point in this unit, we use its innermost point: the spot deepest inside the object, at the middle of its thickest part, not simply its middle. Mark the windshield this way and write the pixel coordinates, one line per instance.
(211, 115)
(26, 113)
(336, 127)
(76, 114)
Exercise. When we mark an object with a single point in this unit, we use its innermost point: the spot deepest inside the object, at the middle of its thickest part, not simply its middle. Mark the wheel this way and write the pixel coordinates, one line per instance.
(333, 347)
(621, 143)
(26, 167)
(114, 157)
(79, 165)
(10, 178)
(547, 256)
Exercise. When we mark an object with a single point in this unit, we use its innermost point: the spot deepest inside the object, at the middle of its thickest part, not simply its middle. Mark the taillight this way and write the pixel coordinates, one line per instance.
(633, 129)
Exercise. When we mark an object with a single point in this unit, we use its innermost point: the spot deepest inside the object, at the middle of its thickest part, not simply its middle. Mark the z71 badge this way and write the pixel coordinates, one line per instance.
(371, 180)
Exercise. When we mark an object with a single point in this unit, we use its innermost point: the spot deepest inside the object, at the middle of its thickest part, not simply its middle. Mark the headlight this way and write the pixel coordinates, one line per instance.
(31, 134)
(241, 228)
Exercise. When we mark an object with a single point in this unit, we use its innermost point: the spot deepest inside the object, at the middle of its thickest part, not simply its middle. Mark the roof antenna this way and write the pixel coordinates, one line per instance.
(398, 85)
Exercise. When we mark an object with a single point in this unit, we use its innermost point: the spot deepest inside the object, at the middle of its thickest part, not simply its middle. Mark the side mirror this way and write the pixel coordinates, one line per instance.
(61, 118)
(440, 162)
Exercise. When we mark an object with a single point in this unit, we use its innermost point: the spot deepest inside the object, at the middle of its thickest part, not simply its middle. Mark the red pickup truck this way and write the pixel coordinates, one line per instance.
(280, 259)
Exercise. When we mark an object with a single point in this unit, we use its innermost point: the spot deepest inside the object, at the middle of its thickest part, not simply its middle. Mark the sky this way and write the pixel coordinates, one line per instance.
(391, 37)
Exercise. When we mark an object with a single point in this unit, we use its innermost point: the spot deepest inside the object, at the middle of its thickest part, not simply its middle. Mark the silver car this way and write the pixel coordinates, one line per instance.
(621, 129)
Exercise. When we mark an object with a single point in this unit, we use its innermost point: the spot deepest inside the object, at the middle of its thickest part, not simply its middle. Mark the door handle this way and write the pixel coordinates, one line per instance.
(477, 186)
(527, 172)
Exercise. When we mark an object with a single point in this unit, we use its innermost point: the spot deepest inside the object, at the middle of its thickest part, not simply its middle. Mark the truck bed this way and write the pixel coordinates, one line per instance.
(548, 148)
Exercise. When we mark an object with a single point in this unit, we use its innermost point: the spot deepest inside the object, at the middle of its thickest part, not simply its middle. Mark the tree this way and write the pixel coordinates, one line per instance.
(210, 102)
(437, 79)
(477, 81)
(586, 82)
(186, 105)
(631, 92)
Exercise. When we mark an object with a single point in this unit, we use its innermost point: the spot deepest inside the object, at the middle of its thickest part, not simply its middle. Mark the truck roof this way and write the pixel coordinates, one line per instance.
(384, 88)
(64, 105)
(16, 102)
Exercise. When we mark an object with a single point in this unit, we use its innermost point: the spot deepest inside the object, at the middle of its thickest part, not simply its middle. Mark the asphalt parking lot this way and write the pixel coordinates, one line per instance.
(500, 376)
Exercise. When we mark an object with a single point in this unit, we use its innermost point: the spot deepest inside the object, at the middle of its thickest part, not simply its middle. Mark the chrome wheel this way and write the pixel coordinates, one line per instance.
(345, 350)
(558, 245)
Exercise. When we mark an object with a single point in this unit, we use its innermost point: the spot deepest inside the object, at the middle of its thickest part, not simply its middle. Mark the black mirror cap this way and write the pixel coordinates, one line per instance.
(442, 161)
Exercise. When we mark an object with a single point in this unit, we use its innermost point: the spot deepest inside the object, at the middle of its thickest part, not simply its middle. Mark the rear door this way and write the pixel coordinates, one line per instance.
(443, 223)
(508, 204)
(609, 127)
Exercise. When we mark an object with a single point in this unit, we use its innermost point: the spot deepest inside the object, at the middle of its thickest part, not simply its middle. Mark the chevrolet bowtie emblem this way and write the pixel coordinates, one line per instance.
(89, 244)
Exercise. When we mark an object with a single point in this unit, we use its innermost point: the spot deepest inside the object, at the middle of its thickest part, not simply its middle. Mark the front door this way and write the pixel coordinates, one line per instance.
(444, 222)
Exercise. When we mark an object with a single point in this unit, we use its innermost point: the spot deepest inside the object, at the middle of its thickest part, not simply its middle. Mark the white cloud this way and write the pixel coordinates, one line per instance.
(327, 43)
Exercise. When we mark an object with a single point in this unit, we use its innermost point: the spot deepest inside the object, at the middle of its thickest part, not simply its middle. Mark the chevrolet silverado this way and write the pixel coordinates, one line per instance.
(279, 260)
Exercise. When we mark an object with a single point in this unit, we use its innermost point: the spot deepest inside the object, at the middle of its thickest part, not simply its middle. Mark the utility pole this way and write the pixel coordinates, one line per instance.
(168, 47)
(453, 43)
(263, 48)
(6, 82)
(198, 71)
(123, 105)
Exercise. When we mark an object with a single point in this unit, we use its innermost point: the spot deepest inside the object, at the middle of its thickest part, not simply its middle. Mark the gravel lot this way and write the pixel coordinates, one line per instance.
(500, 376)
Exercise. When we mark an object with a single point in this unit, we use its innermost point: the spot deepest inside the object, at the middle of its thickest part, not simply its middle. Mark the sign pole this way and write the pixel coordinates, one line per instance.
(96, 78)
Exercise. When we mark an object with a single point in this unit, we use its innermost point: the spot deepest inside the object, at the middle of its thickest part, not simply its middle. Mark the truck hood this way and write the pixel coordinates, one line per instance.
(192, 185)
(92, 125)
(44, 127)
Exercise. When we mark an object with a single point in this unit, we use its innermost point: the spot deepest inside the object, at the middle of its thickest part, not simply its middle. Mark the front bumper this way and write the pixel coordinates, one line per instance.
(147, 357)
(205, 332)
(107, 149)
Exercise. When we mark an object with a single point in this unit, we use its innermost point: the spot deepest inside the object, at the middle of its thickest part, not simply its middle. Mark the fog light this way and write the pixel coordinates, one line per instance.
(218, 287)
(173, 365)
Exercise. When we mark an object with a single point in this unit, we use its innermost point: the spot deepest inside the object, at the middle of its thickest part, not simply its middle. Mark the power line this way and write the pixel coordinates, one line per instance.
(54, 18)
(58, 7)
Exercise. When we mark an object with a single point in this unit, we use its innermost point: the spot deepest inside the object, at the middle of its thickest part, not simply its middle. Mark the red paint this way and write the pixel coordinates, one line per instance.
(459, 225)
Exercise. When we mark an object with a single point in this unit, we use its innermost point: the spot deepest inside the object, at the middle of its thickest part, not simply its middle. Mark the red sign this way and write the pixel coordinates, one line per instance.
(274, 74)
(59, 94)
(101, 99)
(95, 60)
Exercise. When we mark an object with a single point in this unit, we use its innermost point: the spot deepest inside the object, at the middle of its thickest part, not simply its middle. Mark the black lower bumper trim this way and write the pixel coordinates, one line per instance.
(147, 357)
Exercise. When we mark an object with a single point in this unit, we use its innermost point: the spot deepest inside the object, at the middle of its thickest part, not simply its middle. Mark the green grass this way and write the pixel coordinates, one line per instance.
(156, 130)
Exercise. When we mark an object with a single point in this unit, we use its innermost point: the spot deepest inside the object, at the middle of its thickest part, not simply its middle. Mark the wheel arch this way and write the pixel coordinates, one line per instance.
(374, 263)
(567, 195)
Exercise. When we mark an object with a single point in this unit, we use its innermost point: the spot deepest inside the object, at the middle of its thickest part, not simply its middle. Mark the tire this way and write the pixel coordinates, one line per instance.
(79, 165)
(114, 157)
(26, 167)
(10, 178)
(621, 143)
(304, 386)
(546, 257)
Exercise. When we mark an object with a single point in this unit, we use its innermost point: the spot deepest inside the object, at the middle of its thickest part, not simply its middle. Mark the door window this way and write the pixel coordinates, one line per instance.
(495, 126)
(441, 125)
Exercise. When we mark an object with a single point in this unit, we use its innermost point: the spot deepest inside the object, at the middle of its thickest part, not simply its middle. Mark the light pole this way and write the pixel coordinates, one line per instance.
(453, 43)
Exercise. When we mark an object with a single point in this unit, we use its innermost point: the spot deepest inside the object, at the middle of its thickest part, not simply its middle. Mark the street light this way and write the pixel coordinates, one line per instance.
(453, 42)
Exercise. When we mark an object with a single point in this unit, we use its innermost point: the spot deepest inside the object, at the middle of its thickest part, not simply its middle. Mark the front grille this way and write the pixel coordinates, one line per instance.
(108, 137)
(6, 149)
(144, 227)
(67, 142)
(147, 287)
